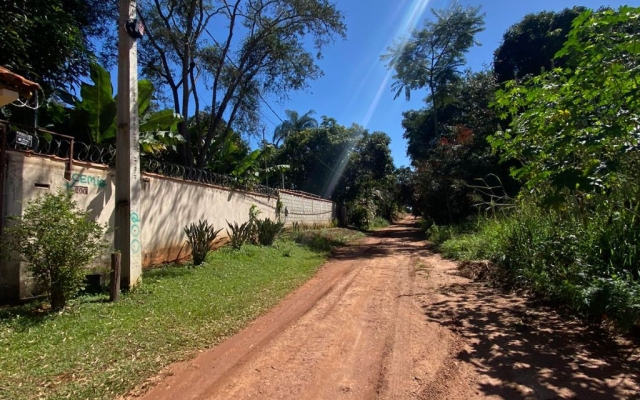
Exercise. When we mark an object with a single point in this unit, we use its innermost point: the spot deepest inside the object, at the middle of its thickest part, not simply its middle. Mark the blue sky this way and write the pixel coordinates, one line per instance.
(356, 86)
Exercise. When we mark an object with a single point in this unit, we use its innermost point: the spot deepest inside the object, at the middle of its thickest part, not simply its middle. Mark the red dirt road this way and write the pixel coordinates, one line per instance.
(387, 319)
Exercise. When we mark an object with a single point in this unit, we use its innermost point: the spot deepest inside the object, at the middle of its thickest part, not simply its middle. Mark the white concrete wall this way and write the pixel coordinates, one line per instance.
(167, 206)
(306, 210)
(26, 178)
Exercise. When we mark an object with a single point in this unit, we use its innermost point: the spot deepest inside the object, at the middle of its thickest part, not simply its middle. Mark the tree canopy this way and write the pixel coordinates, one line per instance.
(50, 42)
(294, 123)
(431, 56)
(529, 46)
(258, 48)
(577, 127)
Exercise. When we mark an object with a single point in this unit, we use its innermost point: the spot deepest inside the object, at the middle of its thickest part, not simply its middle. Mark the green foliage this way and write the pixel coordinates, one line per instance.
(317, 156)
(577, 128)
(94, 115)
(229, 154)
(200, 236)
(431, 56)
(264, 52)
(240, 234)
(279, 208)
(267, 231)
(296, 226)
(57, 240)
(360, 215)
(293, 124)
(572, 238)
(473, 242)
(448, 165)
(528, 48)
(369, 177)
(593, 266)
(439, 234)
(378, 222)
(324, 240)
(50, 42)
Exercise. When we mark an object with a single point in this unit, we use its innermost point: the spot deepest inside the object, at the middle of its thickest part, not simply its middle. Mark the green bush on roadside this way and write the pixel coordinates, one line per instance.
(57, 240)
(583, 256)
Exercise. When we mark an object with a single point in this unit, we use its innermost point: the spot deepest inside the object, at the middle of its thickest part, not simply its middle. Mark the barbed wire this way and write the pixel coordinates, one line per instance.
(106, 155)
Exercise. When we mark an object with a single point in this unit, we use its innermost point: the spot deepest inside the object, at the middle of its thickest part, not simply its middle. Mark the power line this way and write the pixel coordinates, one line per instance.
(267, 103)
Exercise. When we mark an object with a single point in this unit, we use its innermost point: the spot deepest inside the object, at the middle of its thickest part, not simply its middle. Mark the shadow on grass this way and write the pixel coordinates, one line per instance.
(25, 316)
(168, 271)
(323, 240)
(530, 351)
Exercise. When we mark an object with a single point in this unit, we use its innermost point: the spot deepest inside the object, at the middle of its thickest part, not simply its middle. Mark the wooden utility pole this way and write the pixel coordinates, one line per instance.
(127, 233)
(114, 285)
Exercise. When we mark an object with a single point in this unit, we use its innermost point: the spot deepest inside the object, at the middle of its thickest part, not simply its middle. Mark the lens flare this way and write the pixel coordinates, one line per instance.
(409, 21)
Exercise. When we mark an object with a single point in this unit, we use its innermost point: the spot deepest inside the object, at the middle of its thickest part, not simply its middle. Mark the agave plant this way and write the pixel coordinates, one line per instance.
(268, 230)
(200, 236)
(239, 234)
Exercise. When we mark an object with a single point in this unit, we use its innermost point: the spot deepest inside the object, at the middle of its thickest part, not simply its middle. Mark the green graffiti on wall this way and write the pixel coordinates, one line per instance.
(89, 180)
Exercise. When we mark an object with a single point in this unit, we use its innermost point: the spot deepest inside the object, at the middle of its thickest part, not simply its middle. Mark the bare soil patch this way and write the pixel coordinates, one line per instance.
(388, 319)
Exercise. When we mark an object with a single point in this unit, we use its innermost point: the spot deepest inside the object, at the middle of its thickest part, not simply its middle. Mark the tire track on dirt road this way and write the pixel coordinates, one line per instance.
(385, 318)
(344, 334)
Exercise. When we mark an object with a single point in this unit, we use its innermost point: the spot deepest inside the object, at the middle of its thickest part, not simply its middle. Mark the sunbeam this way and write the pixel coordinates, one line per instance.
(409, 22)
(412, 16)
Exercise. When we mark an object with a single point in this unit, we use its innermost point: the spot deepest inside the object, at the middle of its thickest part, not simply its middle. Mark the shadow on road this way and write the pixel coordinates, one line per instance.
(400, 238)
(532, 351)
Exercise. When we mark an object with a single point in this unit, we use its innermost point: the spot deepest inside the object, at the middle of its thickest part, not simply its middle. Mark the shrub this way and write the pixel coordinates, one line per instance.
(438, 234)
(426, 223)
(581, 256)
(481, 243)
(296, 226)
(240, 234)
(252, 225)
(57, 240)
(360, 217)
(378, 222)
(267, 231)
(200, 236)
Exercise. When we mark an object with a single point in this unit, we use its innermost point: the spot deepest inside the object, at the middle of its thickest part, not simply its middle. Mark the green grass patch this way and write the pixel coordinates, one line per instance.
(470, 243)
(324, 239)
(378, 223)
(97, 349)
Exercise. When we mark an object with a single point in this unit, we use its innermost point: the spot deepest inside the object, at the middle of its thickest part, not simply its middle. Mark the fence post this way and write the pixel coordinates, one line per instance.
(69, 171)
(114, 287)
(3, 145)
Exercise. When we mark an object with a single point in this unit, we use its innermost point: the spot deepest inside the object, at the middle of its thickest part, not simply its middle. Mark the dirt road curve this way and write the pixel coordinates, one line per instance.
(387, 319)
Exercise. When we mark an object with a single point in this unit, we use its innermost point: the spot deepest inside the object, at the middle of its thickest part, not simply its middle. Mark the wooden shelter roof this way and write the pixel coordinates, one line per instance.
(15, 82)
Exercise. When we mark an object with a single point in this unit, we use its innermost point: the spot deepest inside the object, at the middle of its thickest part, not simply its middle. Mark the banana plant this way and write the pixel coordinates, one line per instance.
(94, 114)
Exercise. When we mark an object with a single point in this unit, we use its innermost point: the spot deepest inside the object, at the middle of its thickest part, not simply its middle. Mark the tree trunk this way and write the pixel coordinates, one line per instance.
(57, 298)
(446, 191)
(435, 108)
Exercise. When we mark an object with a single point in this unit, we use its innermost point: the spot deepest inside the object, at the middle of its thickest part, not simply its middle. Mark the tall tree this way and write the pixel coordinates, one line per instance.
(293, 124)
(529, 47)
(257, 47)
(369, 176)
(447, 164)
(431, 56)
(318, 156)
(576, 128)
